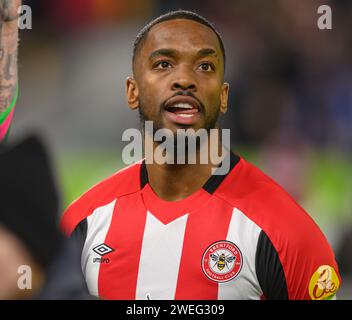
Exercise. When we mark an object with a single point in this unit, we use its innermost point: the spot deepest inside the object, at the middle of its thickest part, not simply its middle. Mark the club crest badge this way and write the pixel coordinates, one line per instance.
(222, 261)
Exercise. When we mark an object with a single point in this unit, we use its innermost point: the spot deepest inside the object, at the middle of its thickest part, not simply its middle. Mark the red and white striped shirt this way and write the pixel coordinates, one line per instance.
(239, 237)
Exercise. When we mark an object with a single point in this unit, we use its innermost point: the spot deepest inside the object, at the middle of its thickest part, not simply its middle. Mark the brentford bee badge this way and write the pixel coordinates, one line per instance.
(222, 261)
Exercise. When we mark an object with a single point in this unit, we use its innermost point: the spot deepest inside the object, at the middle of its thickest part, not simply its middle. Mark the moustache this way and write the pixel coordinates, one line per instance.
(185, 93)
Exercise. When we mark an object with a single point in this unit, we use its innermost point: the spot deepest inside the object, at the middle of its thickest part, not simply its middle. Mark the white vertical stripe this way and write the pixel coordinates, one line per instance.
(160, 258)
(244, 233)
(98, 226)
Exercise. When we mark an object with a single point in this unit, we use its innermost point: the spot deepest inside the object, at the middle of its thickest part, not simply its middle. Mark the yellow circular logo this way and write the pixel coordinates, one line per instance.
(324, 283)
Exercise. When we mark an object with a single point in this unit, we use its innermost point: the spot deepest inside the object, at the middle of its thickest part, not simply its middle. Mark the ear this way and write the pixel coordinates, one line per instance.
(224, 97)
(132, 93)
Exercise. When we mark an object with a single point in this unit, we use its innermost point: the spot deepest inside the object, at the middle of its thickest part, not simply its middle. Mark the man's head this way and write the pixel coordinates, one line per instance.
(178, 73)
(179, 14)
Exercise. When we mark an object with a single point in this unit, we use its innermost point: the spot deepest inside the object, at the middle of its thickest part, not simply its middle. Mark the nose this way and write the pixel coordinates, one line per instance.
(184, 81)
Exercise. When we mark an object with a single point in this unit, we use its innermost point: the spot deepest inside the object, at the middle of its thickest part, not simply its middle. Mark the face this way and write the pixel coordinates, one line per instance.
(178, 80)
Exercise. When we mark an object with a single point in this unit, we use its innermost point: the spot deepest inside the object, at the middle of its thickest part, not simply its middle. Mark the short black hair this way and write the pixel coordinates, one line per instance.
(172, 15)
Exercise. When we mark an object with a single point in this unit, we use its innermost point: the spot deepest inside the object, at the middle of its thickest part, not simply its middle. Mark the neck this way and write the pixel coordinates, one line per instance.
(173, 182)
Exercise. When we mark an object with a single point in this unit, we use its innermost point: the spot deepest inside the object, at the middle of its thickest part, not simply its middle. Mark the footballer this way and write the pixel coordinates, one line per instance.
(178, 231)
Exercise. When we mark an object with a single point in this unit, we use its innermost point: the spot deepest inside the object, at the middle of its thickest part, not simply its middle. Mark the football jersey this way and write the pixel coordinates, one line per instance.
(6, 118)
(241, 236)
(5, 122)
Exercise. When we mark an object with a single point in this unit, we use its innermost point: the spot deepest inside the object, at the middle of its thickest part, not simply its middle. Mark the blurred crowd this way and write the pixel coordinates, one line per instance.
(290, 94)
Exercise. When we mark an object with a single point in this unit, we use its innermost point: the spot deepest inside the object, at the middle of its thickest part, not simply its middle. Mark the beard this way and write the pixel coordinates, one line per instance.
(210, 123)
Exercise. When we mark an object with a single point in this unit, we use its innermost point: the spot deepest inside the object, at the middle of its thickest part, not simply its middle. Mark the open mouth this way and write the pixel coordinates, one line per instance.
(183, 110)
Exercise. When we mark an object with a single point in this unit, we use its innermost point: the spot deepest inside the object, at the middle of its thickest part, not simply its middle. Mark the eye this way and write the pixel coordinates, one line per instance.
(207, 66)
(162, 65)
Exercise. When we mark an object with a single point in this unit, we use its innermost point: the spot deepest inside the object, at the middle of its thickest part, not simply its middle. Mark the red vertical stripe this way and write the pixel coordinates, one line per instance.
(209, 224)
(118, 279)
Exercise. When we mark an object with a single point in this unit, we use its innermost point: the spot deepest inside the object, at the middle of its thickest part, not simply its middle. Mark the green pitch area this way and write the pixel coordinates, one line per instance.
(78, 172)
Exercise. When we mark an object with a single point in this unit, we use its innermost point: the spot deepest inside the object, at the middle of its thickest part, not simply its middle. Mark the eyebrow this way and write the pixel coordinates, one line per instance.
(173, 53)
(207, 52)
(163, 52)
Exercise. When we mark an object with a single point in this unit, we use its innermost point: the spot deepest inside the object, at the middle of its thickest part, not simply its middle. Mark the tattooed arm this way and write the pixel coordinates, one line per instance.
(8, 61)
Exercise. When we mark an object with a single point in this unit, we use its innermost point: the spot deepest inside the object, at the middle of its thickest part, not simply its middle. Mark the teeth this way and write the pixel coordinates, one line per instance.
(184, 115)
(182, 106)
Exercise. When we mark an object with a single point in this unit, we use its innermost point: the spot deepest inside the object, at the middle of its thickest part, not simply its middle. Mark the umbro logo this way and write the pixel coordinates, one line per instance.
(102, 250)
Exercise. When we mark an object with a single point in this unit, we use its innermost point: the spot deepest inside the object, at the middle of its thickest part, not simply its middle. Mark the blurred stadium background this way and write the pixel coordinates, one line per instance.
(291, 95)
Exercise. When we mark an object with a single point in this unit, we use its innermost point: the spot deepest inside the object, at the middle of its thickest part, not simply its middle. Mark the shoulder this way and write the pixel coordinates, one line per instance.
(263, 201)
(123, 182)
(298, 242)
